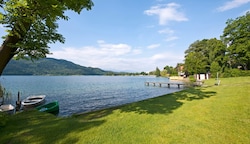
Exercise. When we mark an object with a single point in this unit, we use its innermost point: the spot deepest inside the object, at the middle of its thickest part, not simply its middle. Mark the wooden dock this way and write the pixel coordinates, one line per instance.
(161, 84)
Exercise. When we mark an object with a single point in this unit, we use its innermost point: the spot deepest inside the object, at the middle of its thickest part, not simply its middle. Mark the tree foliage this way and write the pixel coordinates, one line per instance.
(200, 55)
(170, 70)
(157, 72)
(31, 26)
(194, 63)
(232, 51)
(236, 36)
(215, 67)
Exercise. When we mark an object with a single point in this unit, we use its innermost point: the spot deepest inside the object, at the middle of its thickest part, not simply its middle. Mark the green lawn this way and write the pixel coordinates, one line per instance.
(208, 114)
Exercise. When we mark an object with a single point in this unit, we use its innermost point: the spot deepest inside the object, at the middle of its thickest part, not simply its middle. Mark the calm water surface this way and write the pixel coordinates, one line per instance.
(77, 94)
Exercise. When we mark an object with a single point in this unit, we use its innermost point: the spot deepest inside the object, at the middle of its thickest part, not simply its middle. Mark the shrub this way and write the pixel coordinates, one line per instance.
(5, 96)
(235, 73)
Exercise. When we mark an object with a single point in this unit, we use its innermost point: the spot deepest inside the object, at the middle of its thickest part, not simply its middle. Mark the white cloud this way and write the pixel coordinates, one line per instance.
(153, 46)
(171, 38)
(116, 57)
(105, 55)
(166, 31)
(94, 56)
(114, 49)
(100, 41)
(166, 13)
(166, 58)
(136, 51)
(165, 55)
(232, 4)
(169, 33)
(158, 56)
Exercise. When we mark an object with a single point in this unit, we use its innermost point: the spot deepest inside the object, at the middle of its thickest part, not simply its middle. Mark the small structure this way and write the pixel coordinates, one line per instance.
(200, 77)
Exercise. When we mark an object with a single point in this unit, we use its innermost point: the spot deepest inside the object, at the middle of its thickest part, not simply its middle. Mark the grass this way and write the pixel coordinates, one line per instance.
(209, 114)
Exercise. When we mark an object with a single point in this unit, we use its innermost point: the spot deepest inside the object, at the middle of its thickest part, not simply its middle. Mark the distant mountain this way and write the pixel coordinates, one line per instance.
(49, 66)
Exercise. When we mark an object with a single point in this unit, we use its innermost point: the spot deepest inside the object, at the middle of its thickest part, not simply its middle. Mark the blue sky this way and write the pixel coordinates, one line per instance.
(140, 35)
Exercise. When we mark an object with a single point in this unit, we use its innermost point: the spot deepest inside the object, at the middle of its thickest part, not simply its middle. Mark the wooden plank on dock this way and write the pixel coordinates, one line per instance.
(160, 84)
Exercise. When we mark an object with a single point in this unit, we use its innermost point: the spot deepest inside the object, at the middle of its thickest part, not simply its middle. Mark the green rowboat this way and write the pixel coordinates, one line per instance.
(52, 107)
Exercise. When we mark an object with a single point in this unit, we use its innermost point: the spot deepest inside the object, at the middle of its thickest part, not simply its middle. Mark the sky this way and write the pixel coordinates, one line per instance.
(140, 35)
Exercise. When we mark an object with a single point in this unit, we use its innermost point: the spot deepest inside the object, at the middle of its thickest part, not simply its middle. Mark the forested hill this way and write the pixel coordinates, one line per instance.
(49, 66)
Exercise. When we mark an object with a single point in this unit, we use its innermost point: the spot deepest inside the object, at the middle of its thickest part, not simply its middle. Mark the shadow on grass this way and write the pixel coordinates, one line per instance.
(37, 127)
(167, 103)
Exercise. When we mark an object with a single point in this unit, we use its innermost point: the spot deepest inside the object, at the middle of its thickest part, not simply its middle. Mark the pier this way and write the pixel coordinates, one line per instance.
(161, 84)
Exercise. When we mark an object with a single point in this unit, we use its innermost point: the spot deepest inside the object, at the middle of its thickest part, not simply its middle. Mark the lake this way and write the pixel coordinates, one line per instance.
(78, 94)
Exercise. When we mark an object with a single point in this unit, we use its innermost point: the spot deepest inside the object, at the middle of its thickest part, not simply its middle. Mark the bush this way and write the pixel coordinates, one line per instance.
(5, 96)
(235, 73)
(215, 67)
(191, 78)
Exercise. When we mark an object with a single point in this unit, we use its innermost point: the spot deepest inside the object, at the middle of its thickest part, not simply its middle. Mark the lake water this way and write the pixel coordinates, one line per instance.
(77, 94)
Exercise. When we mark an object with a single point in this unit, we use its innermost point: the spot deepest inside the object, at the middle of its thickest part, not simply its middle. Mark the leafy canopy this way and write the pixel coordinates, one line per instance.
(34, 23)
(236, 36)
(232, 51)
(201, 54)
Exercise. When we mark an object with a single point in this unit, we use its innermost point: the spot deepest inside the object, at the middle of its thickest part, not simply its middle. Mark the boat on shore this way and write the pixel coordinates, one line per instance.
(33, 101)
(52, 107)
(7, 108)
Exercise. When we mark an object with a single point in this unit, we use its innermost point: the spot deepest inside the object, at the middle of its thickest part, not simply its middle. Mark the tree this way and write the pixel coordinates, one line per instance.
(170, 70)
(215, 67)
(31, 26)
(143, 73)
(200, 55)
(216, 52)
(195, 63)
(157, 72)
(164, 73)
(198, 52)
(236, 36)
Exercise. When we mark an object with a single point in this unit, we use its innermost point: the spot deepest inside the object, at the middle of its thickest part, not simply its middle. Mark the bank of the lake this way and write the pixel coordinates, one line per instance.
(210, 114)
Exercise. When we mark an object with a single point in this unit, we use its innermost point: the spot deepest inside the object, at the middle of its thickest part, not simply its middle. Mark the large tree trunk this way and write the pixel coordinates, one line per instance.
(7, 52)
